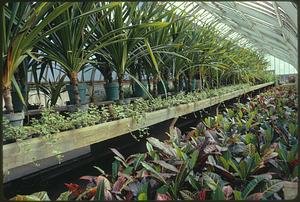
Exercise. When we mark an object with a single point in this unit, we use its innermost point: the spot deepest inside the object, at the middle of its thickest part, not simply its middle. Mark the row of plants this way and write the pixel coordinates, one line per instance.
(52, 121)
(152, 40)
(246, 153)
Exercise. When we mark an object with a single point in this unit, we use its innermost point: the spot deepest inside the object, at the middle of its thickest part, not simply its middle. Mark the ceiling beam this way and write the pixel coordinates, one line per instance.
(273, 38)
(261, 43)
(253, 12)
(258, 27)
(290, 11)
(285, 38)
(269, 38)
(262, 25)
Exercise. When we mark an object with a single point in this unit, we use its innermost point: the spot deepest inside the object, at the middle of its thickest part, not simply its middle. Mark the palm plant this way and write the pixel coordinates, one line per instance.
(71, 46)
(161, 42)
(23, 25)
(133, 19)
(198, 46)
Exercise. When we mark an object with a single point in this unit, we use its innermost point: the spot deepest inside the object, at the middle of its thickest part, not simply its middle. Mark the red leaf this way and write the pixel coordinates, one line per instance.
(91, 192)
(202, 195)
(294, 163)
(88, 178)
(108, 195)
(255, 196)
(74, 188)
(145, 173)
(163, 197)
(227, 191)
(129, 196)
(119, 183)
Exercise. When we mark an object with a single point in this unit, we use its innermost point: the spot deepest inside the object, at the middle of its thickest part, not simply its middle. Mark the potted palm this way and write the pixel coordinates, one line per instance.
(106, 69)
(23, 24)
(73, 46)
(134, 19)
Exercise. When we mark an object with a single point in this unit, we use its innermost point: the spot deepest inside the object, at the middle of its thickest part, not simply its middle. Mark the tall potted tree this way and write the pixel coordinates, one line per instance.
(134, 19)
(72, 46)
(106, 69)
(23, 24)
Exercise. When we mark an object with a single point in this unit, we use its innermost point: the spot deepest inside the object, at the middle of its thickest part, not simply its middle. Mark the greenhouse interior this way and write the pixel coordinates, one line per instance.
(152, 100)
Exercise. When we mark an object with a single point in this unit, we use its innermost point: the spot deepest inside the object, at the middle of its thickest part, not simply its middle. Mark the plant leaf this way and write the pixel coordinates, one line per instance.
(252, 184)
(166, 165)
(149, 168)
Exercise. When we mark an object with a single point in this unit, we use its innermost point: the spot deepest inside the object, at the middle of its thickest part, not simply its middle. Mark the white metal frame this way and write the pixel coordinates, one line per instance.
(269, 26)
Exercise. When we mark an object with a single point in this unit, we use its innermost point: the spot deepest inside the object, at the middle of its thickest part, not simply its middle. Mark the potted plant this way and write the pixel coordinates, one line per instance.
(106, 69)
(134, 27)
(19, 39)
(73, 46)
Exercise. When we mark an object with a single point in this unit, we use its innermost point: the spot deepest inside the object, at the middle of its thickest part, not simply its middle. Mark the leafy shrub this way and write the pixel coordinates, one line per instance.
(240, 154)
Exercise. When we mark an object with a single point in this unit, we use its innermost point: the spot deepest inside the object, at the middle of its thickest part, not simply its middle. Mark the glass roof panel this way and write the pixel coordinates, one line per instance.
(257, 23)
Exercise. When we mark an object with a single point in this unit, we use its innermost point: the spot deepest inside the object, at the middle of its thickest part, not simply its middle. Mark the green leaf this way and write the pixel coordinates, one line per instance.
(272, 187)
(149, 147)
(186, 195)
(210, 182)
(240, 114)
(128, 170)
(115, 169)
(162, 146)
(237, 195)
(99, 169)
(243, 167)
(141, 85)
(153, 171)
(163, 189)
(235, 168)
(218, 194)
(166, 165)
(248, 138)
(224, 162)
(116, 152)
(142, 196)
(38, 196)
(252, 184)
(99, 196)
(18, 91)
(194, 158)
(64, 196)
(137, 162)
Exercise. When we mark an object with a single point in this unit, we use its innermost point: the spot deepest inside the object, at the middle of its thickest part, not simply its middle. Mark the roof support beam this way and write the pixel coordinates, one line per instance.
(271, 36)
(288, 6)
(285, 39)
(259, 26)
(243, 29)
(261, 43)
(262, 35)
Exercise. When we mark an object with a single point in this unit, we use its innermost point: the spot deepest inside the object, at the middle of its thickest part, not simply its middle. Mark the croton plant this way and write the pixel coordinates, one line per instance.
(247, 152)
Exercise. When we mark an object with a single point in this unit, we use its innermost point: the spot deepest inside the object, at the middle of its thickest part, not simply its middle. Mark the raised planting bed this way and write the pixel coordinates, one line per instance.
(27, 151)
(247, 152)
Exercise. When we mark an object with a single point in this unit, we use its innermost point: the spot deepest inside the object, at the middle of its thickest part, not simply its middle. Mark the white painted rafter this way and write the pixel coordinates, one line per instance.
(271, 35)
